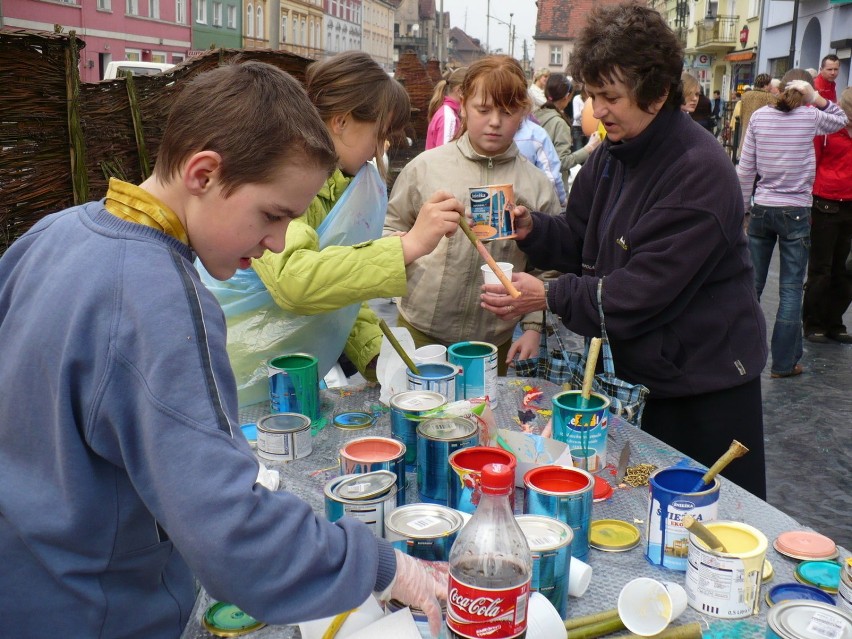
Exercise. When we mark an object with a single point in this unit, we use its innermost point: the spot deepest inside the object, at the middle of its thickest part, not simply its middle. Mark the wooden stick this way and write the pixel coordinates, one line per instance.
(703, 533)
(398, 347)
(686, 631)
(599, 629)
(589, 373)
(735, 450)
(577, 622)
(505, 281)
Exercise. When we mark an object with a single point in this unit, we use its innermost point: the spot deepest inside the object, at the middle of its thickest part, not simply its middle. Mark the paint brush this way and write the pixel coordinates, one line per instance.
(398, 347)
(735, 450)
(703, 533)
(589, 373)
(505, 281)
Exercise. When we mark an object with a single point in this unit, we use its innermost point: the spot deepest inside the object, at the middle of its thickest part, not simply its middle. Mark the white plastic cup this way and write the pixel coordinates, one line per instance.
(367, 613)
(647, 607)
(579, 577)
(430, 354)
(543, 620)
(491, 278)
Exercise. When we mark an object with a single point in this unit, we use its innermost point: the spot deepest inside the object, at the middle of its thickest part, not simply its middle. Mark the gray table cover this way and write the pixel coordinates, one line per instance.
(306, 478)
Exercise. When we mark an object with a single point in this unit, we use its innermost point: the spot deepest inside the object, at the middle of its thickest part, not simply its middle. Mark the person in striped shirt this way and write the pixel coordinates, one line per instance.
(778, 153)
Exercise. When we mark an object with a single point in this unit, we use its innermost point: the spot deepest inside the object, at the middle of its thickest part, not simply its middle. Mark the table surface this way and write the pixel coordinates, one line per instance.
(306, 477)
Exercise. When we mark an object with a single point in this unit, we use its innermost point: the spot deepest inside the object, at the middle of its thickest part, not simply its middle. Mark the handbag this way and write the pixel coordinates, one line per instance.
(567, 368)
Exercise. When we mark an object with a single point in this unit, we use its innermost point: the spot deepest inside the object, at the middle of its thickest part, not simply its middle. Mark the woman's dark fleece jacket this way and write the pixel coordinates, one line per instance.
(661, 218)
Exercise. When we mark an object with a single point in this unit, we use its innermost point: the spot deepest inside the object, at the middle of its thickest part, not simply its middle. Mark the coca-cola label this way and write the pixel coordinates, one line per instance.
(483, 612)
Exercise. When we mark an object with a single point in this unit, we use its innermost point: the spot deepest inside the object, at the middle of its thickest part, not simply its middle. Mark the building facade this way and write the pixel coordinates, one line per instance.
(301, 29)
(377, 31)
(216, 24)
(414, 29)
(343, 20)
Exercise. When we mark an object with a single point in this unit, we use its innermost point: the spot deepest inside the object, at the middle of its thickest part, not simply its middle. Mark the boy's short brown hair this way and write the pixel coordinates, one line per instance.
(254, 115)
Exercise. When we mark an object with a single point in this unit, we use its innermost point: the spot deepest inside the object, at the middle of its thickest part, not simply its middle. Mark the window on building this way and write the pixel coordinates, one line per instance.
(132, 7)
(753, 8)
(177, 58)
(154, 10)
(133, 54)
(258, 27)
(232, 17)
(284, 28)
(217, 14)
(556, 54)
(105, 5)
(180, 11)
(295, 34)
(303, 40)
(158, 56)
(201, 11)
(249, 21)
(317, 36)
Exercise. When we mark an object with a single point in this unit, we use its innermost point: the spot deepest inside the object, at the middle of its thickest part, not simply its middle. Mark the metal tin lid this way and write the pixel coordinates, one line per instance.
(613, 535)
(602, 491)
(545, 533)
(417, 401)
(822, 574)
(790, 591)
(447, 428)
(365, 486)
(284, 422)
(353, 420)
(226, 620)
(809, 620)
(805, 544)
(424, 521)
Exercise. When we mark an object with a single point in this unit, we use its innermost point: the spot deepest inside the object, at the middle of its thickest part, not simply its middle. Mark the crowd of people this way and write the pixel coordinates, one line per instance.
(121, 358)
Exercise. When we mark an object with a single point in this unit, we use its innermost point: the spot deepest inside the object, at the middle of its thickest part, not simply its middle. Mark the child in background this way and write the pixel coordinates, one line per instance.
(442, 304)
(362, 107)
(535, 144)
(444, 109)
(114, 353)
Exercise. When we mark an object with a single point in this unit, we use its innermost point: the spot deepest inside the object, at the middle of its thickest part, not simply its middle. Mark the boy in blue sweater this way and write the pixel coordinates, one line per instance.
(122, 473)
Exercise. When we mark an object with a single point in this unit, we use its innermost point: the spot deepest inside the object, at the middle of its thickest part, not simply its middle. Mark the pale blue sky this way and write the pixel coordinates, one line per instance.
(469, 15)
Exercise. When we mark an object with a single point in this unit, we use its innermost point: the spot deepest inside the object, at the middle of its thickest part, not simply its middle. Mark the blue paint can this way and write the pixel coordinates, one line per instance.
(437, 439)
(370, 454)
(669, 500)
(583, 426)
(407, 410)
(367, 497)
(550, 544)
(478, 374)
(439, 378)
(565, 494)
(424, 531)
(294, 384)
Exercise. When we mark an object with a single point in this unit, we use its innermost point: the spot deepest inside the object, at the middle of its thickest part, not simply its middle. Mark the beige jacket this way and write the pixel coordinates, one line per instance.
(444, 286)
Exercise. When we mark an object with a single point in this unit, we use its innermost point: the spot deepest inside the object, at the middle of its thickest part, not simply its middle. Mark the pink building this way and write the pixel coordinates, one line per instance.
(113, 30)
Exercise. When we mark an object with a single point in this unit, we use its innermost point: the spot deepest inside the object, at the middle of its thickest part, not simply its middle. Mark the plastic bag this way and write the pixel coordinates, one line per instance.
(391, 371)
(258, 329)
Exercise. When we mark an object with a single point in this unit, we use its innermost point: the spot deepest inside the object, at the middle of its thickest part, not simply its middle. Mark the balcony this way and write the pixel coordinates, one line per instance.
(721, 37)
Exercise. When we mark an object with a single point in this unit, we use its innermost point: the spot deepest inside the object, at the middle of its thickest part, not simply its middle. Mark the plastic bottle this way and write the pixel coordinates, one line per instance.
(490, 566)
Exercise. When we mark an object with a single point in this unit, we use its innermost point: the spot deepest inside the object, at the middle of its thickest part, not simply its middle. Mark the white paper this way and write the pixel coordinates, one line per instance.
(399, 625)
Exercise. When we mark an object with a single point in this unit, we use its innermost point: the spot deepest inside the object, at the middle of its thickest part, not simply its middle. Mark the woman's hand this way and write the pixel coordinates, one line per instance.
(504, 306)
(526, 347)
(594, 141)
(438, 218)
(522, 221)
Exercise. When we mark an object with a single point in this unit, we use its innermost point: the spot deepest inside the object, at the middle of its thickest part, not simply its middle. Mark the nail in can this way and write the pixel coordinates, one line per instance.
(368, 498)
(565, 494)
(465, 471)
(283, 437)
(439, 378)
(407, 410)
(424, 531)
(294, 384)
(436, 440)
(490, 210)
(800, 619)
(550, 544)
(369, 454)
(478, 374)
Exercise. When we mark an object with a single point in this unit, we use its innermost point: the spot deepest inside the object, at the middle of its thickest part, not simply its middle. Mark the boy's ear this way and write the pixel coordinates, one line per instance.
(201, 171)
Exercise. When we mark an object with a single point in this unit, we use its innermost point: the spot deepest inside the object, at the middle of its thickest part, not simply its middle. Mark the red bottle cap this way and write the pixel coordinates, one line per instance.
(497, 479)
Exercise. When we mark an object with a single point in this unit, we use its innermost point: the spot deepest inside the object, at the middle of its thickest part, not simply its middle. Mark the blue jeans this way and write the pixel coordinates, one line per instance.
(791, 227)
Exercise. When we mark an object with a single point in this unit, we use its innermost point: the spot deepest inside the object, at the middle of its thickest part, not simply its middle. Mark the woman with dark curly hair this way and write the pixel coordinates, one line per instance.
(656, 216)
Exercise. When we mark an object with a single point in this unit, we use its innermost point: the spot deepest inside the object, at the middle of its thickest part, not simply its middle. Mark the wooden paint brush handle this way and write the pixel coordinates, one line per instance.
(492, 264)
(703, 533)
(735, 450)
(591, 365)
(398, 347)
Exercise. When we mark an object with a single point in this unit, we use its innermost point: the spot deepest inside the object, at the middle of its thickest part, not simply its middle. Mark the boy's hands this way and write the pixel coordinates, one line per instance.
(438, 218)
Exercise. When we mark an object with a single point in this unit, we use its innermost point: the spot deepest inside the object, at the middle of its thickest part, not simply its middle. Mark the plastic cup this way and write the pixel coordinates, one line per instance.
(543, 620)
(491, 278)
(430, 354)
(647, 607)
(579, 577)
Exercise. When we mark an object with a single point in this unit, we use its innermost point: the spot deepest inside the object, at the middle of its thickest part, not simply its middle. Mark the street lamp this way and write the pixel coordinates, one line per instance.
(511, 30)
(710, 17)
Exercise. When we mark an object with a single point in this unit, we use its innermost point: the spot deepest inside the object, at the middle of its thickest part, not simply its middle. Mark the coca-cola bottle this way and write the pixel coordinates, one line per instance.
(490, 566)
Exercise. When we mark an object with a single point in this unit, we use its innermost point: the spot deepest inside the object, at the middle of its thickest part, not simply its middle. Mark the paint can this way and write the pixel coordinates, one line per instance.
(465, 470)
(369, 454)
(367, 497)
(490, 209)
(844, 591)
(294, 384)
(726, 584)
(583, 426)
(669, 501)
(437, 377)
(550, 545)
(407, 410)
(478, 374)
(565, 494)
(798, 619)
(424, 531)
(283, 437)
(437, 439)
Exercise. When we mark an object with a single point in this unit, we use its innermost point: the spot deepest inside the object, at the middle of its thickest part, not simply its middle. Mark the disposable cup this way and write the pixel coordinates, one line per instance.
(543, 620)
(430, 354)
(647, 607)
(491, 278)
(579, 577)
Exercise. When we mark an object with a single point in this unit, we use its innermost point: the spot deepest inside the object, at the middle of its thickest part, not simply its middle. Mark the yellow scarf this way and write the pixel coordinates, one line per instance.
(133, 204)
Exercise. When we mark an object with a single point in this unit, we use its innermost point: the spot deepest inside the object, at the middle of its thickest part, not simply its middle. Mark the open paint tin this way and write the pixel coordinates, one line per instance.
(226, 620)
(370, 454)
